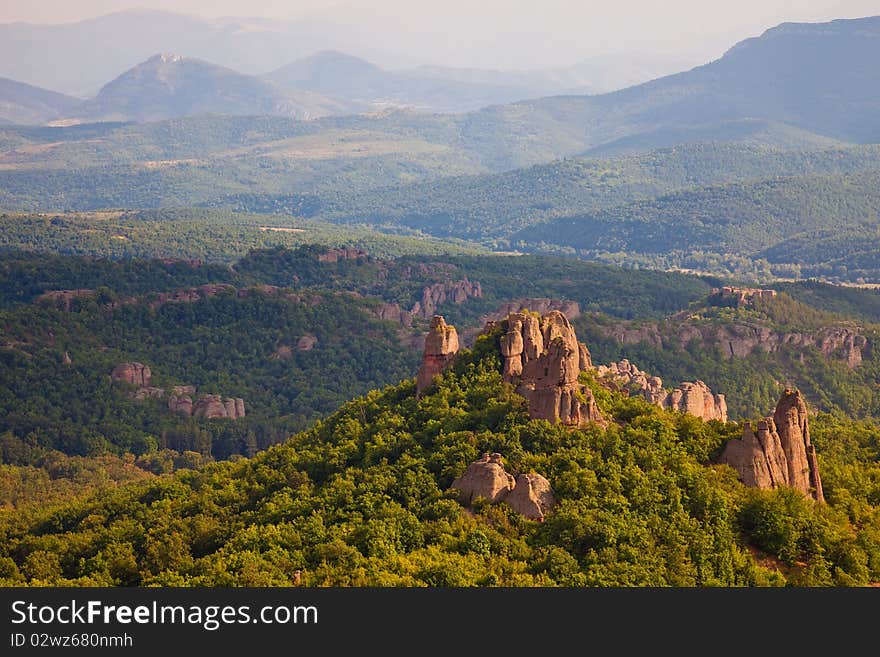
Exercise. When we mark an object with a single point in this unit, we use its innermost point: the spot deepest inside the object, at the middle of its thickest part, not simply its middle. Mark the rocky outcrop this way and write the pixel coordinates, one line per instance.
(148, 391)
(528, 494)
(181, 399)
(779, 452)
(136, 374)
(740, 340)
(306, 343)
(192, 294)
(694, 398)
(282, 352)
(543, 357)
(697, 399)
(433, 296)
(531, 497)
(541, 306)
(441, 346)
(740, 297)
(484, 478)
(182, 404)
(207, 406)
(391, 312)
(346, 253)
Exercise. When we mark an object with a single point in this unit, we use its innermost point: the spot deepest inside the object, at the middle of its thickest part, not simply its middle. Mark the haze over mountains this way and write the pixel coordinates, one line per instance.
(79, 58)
(738, 159)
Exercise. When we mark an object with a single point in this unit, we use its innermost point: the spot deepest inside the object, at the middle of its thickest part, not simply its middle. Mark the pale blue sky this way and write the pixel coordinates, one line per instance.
(496, 33)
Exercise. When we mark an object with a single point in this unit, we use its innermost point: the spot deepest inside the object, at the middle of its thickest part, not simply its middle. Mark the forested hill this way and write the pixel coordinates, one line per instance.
(363, 498)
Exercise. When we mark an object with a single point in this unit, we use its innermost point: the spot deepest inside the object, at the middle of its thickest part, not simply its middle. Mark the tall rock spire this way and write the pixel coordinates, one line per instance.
(544, 358)
(780, 452)
(441, 345)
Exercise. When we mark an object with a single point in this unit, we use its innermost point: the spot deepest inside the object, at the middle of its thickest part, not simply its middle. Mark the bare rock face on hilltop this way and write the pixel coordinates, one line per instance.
(544, 358)
(695, 398)
(779, 452)
(441, 346)
(136, 374)
(529, 495)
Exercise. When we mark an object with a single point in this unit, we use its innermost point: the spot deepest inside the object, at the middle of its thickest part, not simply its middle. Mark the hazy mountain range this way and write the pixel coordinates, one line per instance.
(821, 78)
(79, 58)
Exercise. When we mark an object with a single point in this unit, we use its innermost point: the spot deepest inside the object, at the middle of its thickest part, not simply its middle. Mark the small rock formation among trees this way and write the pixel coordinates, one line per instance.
(441, 346)
(529, 495)
(694, 398)
(182, 399)
(543, 357)
(136, 374)
(741, 297)
(779, 453)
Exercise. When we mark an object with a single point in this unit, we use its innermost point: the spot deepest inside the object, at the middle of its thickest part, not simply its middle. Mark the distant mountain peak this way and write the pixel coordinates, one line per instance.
(165, 58)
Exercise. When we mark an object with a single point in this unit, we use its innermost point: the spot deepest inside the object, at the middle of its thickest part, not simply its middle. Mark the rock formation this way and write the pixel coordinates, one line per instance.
(441, 345)
(780, 452)
(439, 293)
(306, 343)
(739, 340)
(148, 391)
(694, 398)
(345, 253)
(136, 374)
(180, 398)
(528, 494)
(282, 352)
(544, 358)
(697, 399)
(207, 406)
(393, 313)
(532, 496)
(192, 294)
(485, 478)
(740, 296)
(541, 306)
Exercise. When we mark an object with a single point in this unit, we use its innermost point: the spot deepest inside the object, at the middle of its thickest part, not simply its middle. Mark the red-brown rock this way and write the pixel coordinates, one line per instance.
(484, 478)
(531, 497)
(433, 296)
(441, 346)
(543, 357)
(528, 494)
(780, 453)
(136, 374)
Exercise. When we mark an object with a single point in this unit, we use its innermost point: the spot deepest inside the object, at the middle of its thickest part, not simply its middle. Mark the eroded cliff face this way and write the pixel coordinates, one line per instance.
(441, 346)
(695, 398)
(136, 374)
(740, 340)
(437, 294)
(779, 451)
(529, 494)
(543, 357)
